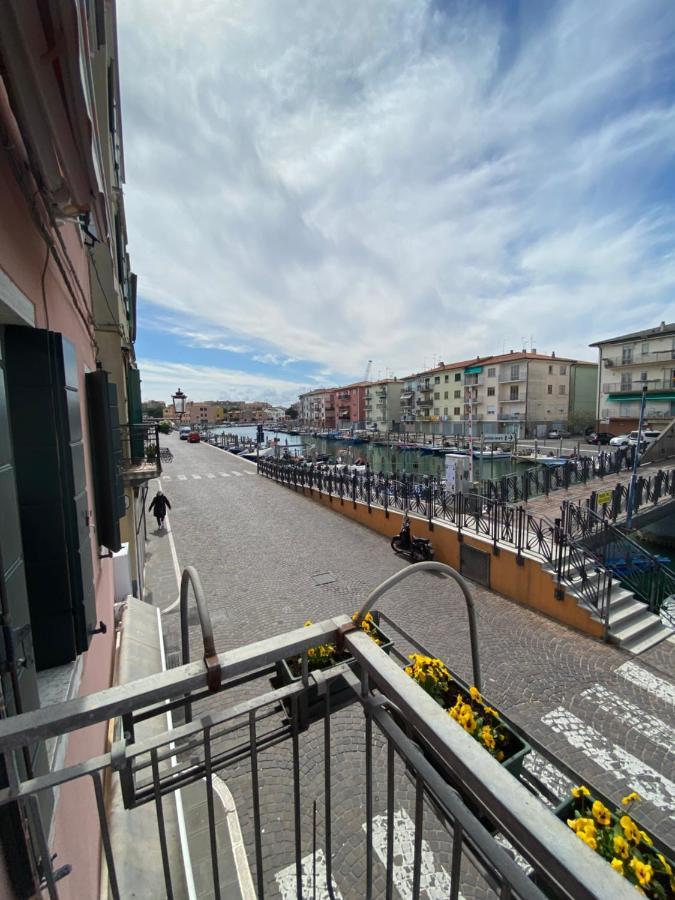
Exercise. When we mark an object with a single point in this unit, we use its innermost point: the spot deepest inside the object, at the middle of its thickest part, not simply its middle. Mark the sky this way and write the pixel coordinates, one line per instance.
(311, 186)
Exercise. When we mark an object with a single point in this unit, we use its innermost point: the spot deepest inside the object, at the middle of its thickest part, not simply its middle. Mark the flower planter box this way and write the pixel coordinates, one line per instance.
(567, 809)
(310, 703)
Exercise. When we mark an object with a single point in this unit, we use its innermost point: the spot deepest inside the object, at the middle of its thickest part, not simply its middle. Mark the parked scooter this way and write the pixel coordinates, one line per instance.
(414, 549)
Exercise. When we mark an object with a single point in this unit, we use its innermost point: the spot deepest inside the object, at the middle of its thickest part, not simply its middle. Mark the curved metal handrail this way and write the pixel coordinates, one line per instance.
(213, 672)
(449, 572)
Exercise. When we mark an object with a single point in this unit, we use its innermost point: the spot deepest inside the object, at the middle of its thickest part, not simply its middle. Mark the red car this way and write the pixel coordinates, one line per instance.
(194, 437)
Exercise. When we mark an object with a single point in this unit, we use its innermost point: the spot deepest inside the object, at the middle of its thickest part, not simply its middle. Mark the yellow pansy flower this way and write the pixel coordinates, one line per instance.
(581, 791)
(645, 837)
(630, 798)
(643, 871)
(308, 623)
(475, 694)
(600, 813)
(666, 865)
(630, 829)
(617, 864)
(621, 846)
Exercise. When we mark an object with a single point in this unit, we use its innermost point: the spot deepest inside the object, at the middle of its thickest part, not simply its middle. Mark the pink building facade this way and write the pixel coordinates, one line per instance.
(66, 384)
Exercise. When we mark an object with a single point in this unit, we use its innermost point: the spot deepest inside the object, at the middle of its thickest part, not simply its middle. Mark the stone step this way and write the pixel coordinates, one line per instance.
(648, 639)
(637, 630)
(626, 611)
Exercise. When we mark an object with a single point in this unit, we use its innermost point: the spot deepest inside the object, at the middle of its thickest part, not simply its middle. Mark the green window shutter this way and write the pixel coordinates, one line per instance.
(106, 457)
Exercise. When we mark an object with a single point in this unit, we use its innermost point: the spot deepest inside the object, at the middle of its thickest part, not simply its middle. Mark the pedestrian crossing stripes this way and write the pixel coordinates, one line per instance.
(166, 477)
(434, 882)
(224, 474)
(659, 687)
(205, 475)
(210, 475)
(647, 725)
(196, 477)
(622, 765)
(182, 477)
(238, 474)
(314, 882)
(546, 772)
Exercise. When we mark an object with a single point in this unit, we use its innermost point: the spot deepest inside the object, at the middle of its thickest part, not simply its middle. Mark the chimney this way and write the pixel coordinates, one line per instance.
(510, 351)
(663, 326)
(534, 349)
(553, 353)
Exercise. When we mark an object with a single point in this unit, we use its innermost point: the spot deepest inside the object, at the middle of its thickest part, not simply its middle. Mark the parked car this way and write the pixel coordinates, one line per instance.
(185, 432)
(556, 433)
(648, 437)
(621, 440)
(599, 437)
(194, 437)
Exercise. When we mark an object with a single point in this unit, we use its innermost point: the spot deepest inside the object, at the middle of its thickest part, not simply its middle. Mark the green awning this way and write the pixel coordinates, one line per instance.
(473, 370)
(664, 395)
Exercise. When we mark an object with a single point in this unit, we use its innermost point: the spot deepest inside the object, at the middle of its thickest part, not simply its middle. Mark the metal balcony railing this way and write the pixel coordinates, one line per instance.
(461, 795)
(505, 377)
(142, 455)
(635, 387)
(640, 359)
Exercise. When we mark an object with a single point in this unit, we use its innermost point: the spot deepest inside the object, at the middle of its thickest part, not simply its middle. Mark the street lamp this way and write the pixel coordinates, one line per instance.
(179, 399)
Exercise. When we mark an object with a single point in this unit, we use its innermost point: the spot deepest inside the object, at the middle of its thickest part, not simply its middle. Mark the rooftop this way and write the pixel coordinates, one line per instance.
(660, 331)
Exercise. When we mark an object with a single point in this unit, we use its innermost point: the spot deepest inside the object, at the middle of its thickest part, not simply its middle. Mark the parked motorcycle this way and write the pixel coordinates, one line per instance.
(412, 548)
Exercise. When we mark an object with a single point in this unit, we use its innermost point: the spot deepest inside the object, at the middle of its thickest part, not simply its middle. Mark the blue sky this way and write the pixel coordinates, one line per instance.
(399, 180)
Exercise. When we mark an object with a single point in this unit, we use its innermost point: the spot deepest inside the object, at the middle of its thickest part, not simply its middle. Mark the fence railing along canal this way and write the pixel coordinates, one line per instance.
(260, 743)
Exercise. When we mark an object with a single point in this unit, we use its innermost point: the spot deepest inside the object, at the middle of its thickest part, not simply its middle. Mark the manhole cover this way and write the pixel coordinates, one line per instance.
(323, 578)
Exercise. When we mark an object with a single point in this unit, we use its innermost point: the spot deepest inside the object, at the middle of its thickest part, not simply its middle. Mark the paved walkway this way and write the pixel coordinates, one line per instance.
(259, 548)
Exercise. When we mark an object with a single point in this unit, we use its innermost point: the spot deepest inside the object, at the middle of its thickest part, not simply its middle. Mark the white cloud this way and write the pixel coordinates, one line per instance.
(160, 379)
(394, 180)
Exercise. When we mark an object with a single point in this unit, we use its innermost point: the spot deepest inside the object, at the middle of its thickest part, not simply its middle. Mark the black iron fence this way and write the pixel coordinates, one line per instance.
(140, 444)
(543, 479)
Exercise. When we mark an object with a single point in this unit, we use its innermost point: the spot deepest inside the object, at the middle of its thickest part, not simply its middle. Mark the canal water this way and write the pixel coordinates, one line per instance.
(380, 458)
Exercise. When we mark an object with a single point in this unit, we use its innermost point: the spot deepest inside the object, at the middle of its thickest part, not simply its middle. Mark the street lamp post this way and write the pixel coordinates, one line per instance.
(636, 459)
(179, 399)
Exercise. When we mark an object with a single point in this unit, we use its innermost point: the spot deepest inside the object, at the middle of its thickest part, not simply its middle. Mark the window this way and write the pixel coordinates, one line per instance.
(626, 381)
(626, 355)
(437, 379)
(437, 395)
(550, 372)
(490, 392)
(445, 410)
(458, 376)
(645, 348)
(436, 411)
(458, 394)
(456, 411)
(445, 395)
(513, 393)
(562, 389)
(643, 376)
(563, 370)
(672, 377)
(447, 379)
(492, 372)
(550, 387)
(515, 373)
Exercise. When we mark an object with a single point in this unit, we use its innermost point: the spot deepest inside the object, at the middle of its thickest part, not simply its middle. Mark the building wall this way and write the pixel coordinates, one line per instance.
(583, 391)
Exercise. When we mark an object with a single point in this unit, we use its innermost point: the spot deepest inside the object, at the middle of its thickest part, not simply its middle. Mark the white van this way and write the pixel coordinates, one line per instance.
(648, 437)
(184, 432)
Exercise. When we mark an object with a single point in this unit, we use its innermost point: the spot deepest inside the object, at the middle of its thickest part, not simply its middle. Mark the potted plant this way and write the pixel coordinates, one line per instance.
(468, 709)
(325, 656)
(620, 841)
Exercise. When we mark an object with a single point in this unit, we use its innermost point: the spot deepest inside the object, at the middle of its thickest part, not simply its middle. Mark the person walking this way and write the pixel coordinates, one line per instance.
(160, 503)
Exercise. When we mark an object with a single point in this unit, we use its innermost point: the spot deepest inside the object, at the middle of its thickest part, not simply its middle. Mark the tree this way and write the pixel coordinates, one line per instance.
(291, 413)
(165, 427)
(153, 408)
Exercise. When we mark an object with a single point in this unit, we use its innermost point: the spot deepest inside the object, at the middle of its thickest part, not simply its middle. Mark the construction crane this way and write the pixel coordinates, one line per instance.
(369, 369)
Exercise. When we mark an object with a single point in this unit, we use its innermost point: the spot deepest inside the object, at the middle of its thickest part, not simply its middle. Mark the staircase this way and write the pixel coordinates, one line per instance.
(606, 571)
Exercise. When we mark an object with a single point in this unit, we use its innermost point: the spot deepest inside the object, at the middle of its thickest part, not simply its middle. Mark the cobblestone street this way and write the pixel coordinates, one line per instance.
(270, 559)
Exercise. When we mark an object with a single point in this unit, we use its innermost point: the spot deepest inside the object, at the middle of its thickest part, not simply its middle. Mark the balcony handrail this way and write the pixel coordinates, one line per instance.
(190, 578)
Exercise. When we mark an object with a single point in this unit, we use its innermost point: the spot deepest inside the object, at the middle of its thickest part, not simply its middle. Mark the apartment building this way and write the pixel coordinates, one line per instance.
(203, 412)
(75, 456)
(522, 393)
(349, 405)
(382, 404)
(629, 362)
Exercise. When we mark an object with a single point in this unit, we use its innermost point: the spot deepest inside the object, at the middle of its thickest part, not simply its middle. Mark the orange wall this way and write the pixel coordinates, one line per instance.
(22, 258)
(527, 584)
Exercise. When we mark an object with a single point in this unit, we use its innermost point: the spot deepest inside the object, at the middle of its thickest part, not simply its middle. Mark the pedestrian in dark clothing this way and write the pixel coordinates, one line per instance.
(160, 504)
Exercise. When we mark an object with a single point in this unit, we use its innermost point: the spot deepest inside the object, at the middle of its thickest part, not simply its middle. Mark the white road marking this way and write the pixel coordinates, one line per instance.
(182, 477)
(249, 473)
(238, 474)
(434, 882)
(508, 846)
(197, 477)
(166, 477)
(174, 557)
(647, 725)
(661, 688)
(210, 475)
(285, 879)
(640, 777)
(547, 773)
(224, 474)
